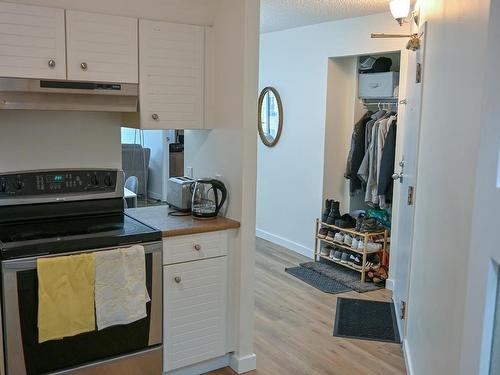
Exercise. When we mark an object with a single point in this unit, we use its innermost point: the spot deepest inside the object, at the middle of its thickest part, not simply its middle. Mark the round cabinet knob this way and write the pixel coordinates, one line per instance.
(52, 64)
(94, 180)
(197, 247)
(155, 116)
(177, 279)
(84, 66)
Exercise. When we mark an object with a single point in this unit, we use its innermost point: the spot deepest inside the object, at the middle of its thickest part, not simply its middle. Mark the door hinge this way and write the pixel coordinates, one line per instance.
(411, 195)
(402, 310)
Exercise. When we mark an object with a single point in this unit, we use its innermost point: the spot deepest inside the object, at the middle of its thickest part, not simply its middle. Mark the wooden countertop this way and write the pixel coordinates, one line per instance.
(158, 217)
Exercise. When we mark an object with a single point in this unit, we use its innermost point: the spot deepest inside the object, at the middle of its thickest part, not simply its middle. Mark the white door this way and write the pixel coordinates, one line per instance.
(172, 71)
(101, 47)
(32, 42)
(406, 170)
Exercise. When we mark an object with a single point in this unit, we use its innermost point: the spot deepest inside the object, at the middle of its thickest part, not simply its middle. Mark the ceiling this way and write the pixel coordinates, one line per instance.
(285, 14)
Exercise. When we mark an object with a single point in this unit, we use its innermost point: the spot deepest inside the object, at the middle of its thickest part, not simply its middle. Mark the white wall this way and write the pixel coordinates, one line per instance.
(44, 140)
(290, 175)
(453, 95)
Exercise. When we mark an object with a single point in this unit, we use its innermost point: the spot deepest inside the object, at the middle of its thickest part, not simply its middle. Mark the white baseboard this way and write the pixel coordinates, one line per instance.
(154, 195)
(202, 367)
(389, 284)
(243, 364)
(407, 355)
(294, 246)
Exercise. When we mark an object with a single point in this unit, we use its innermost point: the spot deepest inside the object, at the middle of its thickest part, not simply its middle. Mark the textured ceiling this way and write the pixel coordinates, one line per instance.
(285, 14)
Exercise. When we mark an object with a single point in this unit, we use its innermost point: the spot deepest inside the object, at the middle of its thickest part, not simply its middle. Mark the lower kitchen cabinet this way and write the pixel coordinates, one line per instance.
(195, 312)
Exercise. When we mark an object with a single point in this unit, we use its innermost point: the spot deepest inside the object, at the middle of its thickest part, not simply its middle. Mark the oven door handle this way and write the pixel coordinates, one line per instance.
(30, 263)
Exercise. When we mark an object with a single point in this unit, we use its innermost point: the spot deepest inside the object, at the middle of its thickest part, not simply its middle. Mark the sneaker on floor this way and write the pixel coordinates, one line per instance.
(345, 257)
(337, 255)
(330, 235)
(322, 233)
(348, 240)
(339, 237)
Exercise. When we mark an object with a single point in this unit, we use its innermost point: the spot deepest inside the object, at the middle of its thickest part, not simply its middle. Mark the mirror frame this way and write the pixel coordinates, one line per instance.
(280, 121)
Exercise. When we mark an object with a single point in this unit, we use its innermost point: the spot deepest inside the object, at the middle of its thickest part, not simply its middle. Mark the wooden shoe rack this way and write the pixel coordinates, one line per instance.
(366, 237)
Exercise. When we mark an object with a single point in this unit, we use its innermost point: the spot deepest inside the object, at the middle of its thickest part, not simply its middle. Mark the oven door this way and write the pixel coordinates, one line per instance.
(124, 349)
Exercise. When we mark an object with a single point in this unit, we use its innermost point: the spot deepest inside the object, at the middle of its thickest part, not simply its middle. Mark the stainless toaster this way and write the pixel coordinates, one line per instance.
(179, 193)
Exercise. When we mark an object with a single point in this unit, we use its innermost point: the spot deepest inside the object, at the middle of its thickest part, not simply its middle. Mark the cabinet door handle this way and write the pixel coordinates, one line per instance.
(52, 64)
(197, 247)
(177, 279)
(84, 66)
(155, 116)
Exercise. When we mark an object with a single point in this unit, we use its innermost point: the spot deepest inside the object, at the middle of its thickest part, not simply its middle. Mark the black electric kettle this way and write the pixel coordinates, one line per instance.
(208, 197)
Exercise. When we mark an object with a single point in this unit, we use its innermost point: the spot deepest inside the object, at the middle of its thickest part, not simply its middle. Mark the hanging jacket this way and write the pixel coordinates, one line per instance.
(385, 181)
(357, 152)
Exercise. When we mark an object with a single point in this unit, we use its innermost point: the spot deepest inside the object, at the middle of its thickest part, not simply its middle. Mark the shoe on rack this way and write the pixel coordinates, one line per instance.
(330, 235)
(357, 261)
(354, 244)
(346, 221)
(337, 255)
(359, 221)
(373, 247)
(345, 257)
(370, 225)
(334, 213)
(339, 237)
(347, 240)
(361, 245)
(322, 233)
(326, 210)
(351, 259)
(325, 251)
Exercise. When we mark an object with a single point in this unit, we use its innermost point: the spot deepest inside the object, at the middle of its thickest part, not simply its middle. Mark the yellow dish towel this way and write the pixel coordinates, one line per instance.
(65, 296)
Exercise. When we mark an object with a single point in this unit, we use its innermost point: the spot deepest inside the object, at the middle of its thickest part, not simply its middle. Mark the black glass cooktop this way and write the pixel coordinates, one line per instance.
(60, 235)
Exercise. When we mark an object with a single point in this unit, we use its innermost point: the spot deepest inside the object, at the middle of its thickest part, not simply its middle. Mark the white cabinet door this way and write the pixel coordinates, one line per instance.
(194, 308)
(171, 71)
(32, 42)
(101, 47)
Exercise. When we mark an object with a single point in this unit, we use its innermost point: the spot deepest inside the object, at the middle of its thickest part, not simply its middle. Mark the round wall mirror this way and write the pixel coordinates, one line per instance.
(270, 116)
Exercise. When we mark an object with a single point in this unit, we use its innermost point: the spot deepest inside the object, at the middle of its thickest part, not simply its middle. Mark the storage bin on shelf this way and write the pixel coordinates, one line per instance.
(366, 237)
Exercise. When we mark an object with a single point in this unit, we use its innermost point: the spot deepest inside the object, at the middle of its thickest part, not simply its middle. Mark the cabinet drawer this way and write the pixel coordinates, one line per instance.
(194, 247)
(378, 85)
(195, 302)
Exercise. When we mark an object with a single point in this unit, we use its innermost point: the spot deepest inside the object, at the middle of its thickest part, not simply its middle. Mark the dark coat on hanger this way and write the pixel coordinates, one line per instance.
(357, 152)
(385, 181)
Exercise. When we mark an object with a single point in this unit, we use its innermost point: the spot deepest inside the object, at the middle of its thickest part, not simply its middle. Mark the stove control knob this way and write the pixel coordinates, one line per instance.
(108, 181)
(94, 180)
(19, 184)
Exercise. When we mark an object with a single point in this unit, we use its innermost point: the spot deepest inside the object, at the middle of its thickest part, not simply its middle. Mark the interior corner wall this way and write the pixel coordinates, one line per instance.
(445, 193)
(290, 175)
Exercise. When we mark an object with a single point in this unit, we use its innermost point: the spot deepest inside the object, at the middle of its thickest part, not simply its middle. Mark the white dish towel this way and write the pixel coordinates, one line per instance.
(120, 286)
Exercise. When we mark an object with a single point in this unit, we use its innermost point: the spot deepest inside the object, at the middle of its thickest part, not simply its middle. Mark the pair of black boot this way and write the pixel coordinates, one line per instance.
(331, 212)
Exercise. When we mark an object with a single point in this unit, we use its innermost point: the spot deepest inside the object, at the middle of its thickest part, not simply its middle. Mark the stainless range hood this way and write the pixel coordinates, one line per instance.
(36, 94)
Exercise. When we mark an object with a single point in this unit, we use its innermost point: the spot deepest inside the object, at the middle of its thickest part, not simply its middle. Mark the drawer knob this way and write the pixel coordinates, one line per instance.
(177, 279)
(197, 247)
(84, 66)
(52, 63)
(155, 116)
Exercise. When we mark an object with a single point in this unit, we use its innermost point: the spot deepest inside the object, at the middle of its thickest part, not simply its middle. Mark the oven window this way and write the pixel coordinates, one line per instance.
(83, 348)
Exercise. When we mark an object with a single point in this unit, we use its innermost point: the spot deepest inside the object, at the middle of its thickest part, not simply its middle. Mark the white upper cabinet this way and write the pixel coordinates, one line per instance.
(101, 47)
(171, 70)
(32, 42)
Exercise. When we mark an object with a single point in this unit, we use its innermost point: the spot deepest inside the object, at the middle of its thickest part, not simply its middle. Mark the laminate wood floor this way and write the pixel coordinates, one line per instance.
(294, 324)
